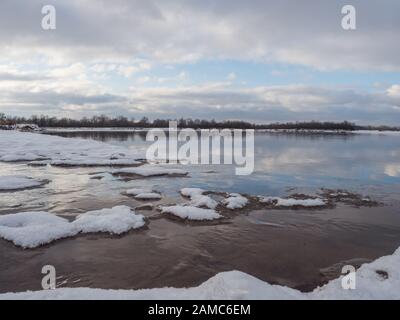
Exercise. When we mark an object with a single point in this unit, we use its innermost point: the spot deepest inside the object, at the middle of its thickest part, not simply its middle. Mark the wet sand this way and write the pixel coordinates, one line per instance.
(287, 247)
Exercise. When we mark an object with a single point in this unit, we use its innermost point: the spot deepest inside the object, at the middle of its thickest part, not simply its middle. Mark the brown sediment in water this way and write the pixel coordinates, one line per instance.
(90, 165)
(134, 176)
(349, 198)
(176, 253)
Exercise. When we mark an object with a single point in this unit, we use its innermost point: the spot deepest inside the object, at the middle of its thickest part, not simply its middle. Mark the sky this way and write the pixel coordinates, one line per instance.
(256, 60)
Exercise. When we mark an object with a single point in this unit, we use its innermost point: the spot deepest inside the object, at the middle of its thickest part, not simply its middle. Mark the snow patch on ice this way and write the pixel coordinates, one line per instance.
(197, 199)
(191, 212)
(235, 201)
(33, 229)
(47, 149)
(136, 191)
(116, 220)
(16, 182)
(148, 196)
(191, 192)
(291, 202)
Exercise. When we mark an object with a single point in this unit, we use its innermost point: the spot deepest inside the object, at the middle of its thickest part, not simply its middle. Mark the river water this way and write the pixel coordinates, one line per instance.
(298, 248)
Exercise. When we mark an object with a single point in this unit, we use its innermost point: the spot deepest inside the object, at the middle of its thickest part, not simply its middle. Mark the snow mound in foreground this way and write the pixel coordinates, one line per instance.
(291, 202)
(15, 182)
(239, 285)
(150, 171)
(235, 201)
(33, 229)
(116, 220)
(197, 199)
(191, 213)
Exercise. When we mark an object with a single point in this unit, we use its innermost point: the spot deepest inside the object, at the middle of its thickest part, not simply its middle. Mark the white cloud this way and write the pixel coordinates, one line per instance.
(394, 91)
(174, 31)
(231, 76)
(96, 40)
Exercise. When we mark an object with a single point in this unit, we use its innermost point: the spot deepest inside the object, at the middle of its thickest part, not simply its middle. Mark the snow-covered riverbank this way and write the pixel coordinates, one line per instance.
(43, 149)
(376, 280)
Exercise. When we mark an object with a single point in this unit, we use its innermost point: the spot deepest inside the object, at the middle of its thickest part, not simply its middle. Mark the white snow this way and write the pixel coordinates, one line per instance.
(235, 201)
(15, 182)
(33, 229)
(47, 149)
(150, 171)
(290, 202)
(116, 220)
(148, 196)
(241, 286)
(191, 212)
(136, 191)
(197, 199)
(190, 192)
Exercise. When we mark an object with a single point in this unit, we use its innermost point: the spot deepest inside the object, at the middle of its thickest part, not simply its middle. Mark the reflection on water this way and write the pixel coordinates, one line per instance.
(283, 160)
(286, 247)
(363, 163)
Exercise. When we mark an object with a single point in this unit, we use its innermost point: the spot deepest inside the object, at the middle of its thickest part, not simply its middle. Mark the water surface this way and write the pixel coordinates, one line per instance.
(287, 247)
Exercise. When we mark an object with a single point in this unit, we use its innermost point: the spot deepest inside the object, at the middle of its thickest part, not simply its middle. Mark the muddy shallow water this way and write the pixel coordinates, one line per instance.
(288, 247)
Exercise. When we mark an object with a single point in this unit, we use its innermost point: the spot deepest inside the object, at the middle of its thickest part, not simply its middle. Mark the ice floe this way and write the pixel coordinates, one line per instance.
(143, 194)
(136, 191)
(370, 284)
(44, 149)
(148, 196)
(191, 213)
(116, 220)
(16, 182)
(235, 201)
(198, 199)
(33, 229)
(292, 202)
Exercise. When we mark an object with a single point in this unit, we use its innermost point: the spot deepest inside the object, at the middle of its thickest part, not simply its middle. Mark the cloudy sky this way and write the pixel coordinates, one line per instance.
(255, 60)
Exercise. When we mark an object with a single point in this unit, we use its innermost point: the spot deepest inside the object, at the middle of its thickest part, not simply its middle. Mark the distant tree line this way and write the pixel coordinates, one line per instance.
(104, 121)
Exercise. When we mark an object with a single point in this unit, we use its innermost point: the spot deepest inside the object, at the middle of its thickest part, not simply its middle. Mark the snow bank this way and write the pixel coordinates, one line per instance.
(33, 229)
(197, 199)
(116, 220)
(238, 285)
(291, 202)
(16, 182)
(191, 212)
(150, 171)
(44, 149)
(235, 201)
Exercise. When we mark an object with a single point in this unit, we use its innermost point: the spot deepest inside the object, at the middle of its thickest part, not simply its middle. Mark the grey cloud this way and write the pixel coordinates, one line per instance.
(305, 32)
